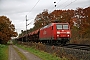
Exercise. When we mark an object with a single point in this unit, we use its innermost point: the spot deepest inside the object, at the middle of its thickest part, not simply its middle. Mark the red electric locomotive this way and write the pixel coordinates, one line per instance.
(55, 33)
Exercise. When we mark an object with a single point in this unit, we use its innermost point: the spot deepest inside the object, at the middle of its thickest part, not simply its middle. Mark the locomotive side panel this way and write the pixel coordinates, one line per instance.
(46, 33)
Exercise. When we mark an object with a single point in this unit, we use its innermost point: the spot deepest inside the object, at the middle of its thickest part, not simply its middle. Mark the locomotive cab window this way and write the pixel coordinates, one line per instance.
(59, 26)
(65, 26)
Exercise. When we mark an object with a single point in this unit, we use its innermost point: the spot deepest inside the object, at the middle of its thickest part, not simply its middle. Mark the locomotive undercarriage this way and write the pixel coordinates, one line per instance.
(58, 42)
(35, 38)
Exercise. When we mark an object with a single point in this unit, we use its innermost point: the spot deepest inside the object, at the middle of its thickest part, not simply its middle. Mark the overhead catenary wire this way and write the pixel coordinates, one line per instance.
(33, 7)
(63, 3)
(55, 5)
(29, 12)
(69, 4)
(86, 6)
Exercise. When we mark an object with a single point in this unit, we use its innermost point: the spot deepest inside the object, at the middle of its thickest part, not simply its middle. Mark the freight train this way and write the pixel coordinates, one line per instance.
(54, 33)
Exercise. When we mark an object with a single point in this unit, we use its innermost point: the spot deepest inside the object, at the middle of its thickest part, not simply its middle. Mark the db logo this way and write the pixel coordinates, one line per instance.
(44, 32)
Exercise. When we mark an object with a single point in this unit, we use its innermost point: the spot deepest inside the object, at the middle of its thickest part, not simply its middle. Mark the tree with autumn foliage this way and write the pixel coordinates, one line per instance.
(81, 20)
(7, 29)
(78, 19)
(41, 19)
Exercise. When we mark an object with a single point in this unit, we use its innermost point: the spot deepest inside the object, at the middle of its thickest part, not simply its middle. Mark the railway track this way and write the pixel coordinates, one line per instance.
(74, 46)
(77, 51)
(78, 46)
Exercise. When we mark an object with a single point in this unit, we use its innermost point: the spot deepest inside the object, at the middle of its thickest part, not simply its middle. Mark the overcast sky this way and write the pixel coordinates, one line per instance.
(16, 10)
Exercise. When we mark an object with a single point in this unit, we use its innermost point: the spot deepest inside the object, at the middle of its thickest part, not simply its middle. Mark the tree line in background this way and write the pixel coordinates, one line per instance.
(78, 19)
(7, 30)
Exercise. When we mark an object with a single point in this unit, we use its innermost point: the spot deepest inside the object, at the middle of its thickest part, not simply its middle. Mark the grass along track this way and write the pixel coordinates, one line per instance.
(43, 55)
(4, 52)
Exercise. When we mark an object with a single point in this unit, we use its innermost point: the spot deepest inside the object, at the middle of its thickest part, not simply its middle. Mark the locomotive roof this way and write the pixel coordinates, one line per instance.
(51, 24)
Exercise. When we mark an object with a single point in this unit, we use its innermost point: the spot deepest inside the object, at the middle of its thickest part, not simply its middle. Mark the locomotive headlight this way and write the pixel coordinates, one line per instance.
(68, 32)
(57, 35)
(68, 35)
(58, 32)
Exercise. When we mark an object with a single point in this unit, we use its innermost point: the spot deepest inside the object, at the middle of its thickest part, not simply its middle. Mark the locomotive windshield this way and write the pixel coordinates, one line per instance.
(59, 26)
(65, 26)
(62, 26)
